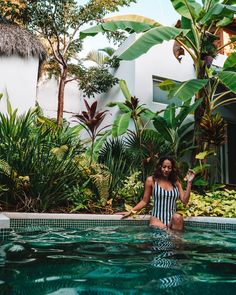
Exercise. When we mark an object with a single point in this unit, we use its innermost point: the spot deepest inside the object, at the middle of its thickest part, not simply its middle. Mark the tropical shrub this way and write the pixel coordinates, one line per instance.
(93, 193)
(119, 162)
(41, 163)
(220, 203)
(175, 130)
(143, 144)
(131, 190)
(145, 148)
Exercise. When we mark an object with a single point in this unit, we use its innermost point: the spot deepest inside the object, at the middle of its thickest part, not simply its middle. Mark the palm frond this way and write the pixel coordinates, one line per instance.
(96, 56)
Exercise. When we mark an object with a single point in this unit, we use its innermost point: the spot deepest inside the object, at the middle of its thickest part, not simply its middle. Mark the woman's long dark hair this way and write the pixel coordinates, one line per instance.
(174, 175)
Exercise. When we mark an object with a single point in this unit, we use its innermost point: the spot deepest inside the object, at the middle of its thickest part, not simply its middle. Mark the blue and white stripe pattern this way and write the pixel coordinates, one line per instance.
(164, 205)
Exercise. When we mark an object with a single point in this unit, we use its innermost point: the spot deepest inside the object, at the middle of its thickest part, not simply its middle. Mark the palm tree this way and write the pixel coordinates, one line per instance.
(100, 56)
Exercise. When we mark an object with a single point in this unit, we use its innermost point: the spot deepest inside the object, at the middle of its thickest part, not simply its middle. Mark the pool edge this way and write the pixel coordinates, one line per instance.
(9, 220)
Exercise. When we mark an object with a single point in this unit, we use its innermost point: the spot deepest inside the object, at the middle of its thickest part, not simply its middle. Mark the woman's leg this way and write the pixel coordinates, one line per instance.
(177, 222)
(155, 222)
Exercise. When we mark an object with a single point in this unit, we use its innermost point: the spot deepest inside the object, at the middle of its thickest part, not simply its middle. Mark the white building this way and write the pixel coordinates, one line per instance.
(20, 55)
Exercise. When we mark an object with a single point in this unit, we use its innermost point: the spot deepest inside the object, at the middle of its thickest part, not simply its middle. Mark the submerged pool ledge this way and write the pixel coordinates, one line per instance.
(14, 220)
(4, 221)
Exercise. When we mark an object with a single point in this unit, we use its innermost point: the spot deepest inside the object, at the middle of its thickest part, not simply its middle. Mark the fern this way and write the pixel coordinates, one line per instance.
(102, 180)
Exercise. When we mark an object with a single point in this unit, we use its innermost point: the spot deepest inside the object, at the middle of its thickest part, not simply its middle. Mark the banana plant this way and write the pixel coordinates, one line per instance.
(175, 130)
(195, 33)
(131, 109)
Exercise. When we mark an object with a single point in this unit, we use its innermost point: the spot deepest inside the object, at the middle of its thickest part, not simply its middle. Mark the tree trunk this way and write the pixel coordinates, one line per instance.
(61, 91)
(200, 111)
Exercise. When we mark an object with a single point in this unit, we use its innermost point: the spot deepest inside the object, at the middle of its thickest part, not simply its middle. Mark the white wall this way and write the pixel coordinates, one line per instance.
(47, 98)
(18, 79)
(160, 61)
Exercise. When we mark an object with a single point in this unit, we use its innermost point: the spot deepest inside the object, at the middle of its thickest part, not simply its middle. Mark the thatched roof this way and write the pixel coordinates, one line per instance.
(15, 40)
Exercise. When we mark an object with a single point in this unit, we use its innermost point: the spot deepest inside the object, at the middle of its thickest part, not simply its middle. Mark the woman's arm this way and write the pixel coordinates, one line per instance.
(147, 194)
(146, 197)
(184, 195)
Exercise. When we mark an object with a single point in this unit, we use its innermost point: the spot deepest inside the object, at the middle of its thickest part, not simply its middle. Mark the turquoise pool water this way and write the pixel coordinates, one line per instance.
(118, 260)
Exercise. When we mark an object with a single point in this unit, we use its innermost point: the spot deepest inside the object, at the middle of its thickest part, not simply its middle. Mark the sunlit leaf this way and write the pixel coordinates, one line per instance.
(149, 39)
(121, 124)
(230, 61)
(125, 90)
(228, 78)
(190, 11)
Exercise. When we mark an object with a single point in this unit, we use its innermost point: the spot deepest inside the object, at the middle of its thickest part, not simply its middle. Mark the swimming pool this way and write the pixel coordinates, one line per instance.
(118, 260)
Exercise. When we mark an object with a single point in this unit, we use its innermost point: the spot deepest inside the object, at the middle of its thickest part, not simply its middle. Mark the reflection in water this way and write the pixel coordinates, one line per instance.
(165, 243)
(117, 260)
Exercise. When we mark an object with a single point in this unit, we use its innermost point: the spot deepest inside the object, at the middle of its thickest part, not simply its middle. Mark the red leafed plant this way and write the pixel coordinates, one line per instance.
(91, 120)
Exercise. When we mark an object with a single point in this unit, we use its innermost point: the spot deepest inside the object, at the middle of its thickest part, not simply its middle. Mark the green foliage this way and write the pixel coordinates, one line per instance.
(131, 109)
(80, 196)
(220, 203)
(118, 161)
(144, 149)
(41, 170)
(102, 180)
(185, 90)
(131, 190)
(94, 191)
(14, 11)
(96, 80)
(175, 130)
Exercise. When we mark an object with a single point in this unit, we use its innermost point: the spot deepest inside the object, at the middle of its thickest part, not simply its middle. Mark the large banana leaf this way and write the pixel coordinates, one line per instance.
(134, 18)
(129, 23)
(150, 38)
(230, 61)
(161, 126)
(218, 11)
(189, 9)
(187, 24)
(121, 106)
(186, 110)
(184, 90)
(169, 114)
(98, 144)
(121, 124)
(228, 78)
(125, 90)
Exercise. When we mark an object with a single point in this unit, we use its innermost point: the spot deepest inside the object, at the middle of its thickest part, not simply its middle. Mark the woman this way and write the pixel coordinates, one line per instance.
(165, 187)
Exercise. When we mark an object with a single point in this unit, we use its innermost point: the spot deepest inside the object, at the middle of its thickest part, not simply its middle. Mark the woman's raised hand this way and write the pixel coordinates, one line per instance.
(190, 175)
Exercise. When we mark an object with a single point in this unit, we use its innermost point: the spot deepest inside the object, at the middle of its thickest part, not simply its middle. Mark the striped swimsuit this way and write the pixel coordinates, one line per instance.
(164, 205)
